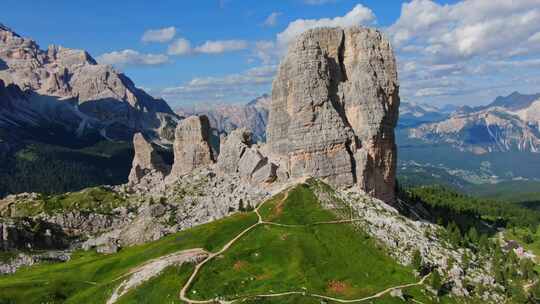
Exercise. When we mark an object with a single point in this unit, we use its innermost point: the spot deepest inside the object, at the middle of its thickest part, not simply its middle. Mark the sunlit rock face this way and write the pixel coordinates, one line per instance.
(334, 108)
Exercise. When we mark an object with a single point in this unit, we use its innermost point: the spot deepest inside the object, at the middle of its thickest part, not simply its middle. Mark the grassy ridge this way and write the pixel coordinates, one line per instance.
(332, 259)
(97, 200)
(90, 277)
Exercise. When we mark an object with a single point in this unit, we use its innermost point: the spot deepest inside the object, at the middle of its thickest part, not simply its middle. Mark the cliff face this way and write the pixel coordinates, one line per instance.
(334, 108)
(192, 145)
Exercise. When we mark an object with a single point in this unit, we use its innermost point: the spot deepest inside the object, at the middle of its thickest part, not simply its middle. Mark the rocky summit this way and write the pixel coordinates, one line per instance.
(334, 107)
(146, 160)
(192, 145)
(69, 88)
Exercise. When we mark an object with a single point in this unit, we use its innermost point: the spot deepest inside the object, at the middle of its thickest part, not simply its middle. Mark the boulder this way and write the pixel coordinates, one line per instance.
(232, 149)
(251, 161)
(334, 108)
(192, 145)
(146, 161)
(266, 174)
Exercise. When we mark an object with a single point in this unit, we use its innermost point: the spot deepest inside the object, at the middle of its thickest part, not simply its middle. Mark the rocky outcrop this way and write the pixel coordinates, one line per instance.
(192, 147)
(232, 149)
(69, 88)
(334, 108)
(228, 117)
(146, 162)
(238, 155)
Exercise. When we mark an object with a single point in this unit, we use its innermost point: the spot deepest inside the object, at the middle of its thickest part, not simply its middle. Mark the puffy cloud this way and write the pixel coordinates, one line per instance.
(180, 47)
(183, 46)
(359, 15)
(221, 46)
(266, 51)
(130, 57)
(467, 52)
(466, 29)
(159, 35)
(272, 19)
(228, 88)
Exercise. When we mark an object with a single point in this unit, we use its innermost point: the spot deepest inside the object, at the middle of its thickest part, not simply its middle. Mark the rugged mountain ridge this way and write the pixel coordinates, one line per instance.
(68, 87)
(510, 123)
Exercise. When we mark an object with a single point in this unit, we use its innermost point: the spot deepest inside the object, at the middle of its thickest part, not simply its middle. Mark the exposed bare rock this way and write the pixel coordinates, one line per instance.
(68, 87)
(251, 161)
(227, 117)
(239, 155)
(266, 174)
(192, 145)
(146, 161)
(232, 149)
(334, 108)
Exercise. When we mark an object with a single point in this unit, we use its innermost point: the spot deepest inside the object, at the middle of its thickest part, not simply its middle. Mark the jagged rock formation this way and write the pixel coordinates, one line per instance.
(334, 108)
(67, 87)
(239, 155)
(192, 147)
(227, 117)
(146, 161)
(232, 149)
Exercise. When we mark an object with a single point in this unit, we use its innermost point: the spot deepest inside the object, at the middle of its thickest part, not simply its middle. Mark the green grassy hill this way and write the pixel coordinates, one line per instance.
(304, 254)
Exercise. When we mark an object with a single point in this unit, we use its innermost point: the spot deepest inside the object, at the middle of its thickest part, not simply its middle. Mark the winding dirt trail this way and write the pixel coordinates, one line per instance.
(153, 268)
(260, 221)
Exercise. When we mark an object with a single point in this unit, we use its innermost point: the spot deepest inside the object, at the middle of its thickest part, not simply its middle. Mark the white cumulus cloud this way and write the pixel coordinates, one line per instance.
(228, 88)
(131, 57)
(221, 46)
(159, 35)
(359, 15)
(272, 19)
(180, 47)
(467, 28)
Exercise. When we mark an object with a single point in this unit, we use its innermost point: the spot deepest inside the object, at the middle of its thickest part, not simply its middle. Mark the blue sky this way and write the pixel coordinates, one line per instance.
(210, 51)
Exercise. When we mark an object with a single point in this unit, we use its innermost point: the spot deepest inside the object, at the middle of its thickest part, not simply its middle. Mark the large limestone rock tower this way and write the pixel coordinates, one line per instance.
(334, 108)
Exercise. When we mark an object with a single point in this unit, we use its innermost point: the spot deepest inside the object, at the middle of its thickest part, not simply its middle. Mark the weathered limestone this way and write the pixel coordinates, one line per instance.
(334, 108)
(146, 161)
(239, 155)
(192, 145)
(232, 149)
(101, 98)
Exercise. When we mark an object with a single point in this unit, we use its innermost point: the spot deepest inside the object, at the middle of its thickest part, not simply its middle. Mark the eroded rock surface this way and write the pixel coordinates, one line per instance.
(192, 145)
(334, 108)
(146, 161)
(239, 155)
(69, 88)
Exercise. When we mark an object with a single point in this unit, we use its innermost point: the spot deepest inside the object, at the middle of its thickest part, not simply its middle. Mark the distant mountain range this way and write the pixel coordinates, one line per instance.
(66, 89)
(227, 117)
(510, 123)
(66, 122)
(458, 146)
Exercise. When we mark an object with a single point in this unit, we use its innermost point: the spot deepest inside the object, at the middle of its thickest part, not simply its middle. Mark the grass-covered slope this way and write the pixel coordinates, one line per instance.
(91, 277)
(101, 200)
(294, 248)
(327, 259)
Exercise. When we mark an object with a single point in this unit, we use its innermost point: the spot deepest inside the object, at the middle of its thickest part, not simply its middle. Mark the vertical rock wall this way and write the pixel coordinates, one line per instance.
(334, 108)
